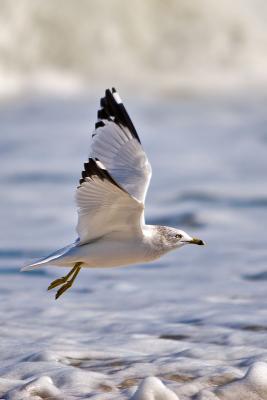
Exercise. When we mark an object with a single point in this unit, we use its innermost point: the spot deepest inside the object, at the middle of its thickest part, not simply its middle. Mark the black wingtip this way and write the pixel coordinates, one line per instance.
(112, 109)
(99, 124)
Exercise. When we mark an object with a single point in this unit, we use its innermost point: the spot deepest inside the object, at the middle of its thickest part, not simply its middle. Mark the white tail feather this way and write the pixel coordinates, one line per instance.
(49, 259)
(29, 267)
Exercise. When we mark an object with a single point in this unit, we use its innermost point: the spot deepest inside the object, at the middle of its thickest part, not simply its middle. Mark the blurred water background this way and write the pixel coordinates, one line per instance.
(193, 77)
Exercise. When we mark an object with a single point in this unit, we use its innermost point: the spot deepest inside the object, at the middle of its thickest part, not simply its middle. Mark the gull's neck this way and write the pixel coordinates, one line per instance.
(154, 234)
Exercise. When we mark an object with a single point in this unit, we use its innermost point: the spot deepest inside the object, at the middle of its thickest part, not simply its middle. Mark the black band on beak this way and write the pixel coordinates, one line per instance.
(197, 241)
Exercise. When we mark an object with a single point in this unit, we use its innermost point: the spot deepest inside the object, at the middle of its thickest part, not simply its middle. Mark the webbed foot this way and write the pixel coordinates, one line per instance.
(57, 282)
(65, 281)
(63, 289)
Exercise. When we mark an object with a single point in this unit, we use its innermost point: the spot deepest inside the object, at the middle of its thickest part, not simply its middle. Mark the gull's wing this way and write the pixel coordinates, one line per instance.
(104, 206)
(117, 145)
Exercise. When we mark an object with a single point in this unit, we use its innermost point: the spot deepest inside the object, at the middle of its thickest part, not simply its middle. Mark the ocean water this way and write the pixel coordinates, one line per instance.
(195, 319)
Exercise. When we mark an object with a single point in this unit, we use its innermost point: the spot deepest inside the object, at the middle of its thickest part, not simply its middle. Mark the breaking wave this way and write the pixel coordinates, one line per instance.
(68, 45)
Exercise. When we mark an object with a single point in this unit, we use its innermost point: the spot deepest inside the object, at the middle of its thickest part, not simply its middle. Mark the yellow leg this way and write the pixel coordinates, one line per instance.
(66, 284)
(62, 280)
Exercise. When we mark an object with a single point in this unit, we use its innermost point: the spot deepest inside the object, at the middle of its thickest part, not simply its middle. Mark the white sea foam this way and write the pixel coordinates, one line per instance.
(65, 46)
(253, 386)
(153, 389)
(40, 388)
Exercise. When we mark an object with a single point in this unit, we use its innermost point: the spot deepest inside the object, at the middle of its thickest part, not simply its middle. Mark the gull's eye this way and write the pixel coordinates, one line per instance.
(178, 236)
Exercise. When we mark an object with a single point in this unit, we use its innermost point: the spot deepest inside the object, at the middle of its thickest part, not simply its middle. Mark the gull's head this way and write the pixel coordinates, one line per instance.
(175, 238)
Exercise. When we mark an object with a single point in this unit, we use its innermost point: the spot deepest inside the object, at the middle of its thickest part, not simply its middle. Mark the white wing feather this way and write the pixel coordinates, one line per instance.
(103, 207)
(124, 158)
(114, 200)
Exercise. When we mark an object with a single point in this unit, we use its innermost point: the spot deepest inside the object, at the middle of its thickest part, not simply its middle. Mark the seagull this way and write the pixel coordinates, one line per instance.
(110, 200)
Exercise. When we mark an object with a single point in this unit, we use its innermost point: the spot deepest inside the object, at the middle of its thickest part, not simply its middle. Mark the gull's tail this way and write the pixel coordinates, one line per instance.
(53, 258)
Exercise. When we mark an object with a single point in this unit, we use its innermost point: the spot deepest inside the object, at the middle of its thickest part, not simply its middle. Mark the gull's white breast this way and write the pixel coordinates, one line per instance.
(110, 251)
